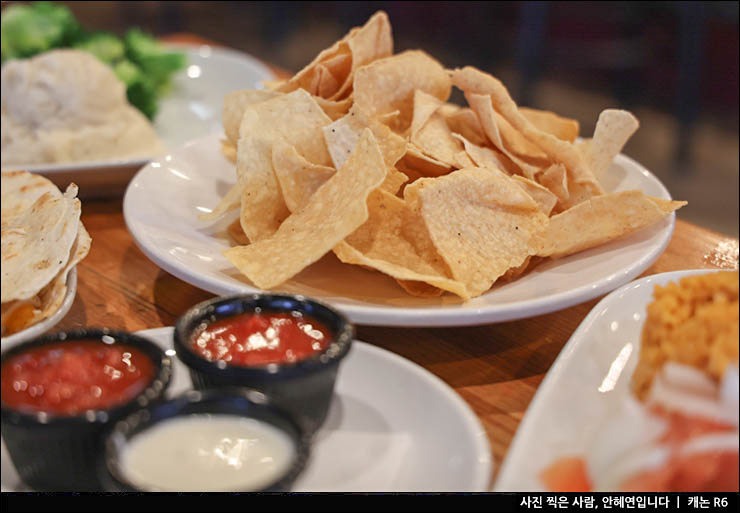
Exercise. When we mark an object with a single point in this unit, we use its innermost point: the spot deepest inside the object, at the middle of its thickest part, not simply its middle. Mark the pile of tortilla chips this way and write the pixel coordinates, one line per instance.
(361, 154)
(42, 239)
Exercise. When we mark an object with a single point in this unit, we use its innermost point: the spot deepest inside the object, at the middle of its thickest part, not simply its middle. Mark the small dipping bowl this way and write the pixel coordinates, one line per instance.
(304, 388)
(218, 440)
(54, 447)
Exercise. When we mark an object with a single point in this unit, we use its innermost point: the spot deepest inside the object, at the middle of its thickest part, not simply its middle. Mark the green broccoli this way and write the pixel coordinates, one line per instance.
(105, 46)
(152, 57)
(26, 30)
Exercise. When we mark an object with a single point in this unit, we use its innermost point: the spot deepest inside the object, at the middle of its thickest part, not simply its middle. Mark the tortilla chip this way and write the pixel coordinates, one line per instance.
(229, 202)
(368, 43)
(343, 135)
(334, 109)
(334, 211)
(487, 157)
(430, 133)
(545, 199)
(565, 129)
(466, 123)
(237, 234)
(358, 47)
(235, 103)
(298, 178)
(229, 150)
(419, 288)
(394, 180)
(388, 84)
(424, 106)
(309, 77)
(613, 130)
(415, 162)
(483, 107)
(326, 84)
(481, 223)
(555, 179)
(294, 118)
(394, 241)
(602, 219)
(473, 81)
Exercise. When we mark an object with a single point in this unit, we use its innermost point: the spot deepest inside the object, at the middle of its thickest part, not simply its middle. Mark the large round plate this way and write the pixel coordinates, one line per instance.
(586, 384)
(48, 323)
(408, 431)
(191, 109)
(163, 202)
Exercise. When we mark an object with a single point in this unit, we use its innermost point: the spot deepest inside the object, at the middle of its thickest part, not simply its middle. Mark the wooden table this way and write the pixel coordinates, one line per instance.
(495, 368)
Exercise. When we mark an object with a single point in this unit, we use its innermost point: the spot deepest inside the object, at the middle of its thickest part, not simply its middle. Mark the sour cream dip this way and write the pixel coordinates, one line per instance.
(207, 453)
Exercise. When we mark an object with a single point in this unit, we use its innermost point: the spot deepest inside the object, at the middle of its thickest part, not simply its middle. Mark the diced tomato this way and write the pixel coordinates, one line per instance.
(567, 475)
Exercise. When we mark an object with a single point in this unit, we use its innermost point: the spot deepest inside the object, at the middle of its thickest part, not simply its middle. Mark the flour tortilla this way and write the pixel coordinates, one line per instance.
(36, 242)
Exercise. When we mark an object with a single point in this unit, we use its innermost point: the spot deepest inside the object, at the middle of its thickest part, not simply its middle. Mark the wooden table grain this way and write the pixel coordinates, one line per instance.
(495, 368)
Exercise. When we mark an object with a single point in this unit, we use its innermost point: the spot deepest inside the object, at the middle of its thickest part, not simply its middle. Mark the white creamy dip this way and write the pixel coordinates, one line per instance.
(207, 453)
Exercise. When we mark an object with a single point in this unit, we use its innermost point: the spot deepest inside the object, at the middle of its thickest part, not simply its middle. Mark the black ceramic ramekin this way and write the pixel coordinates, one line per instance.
(240, 402)
(304, 388)
(58, 452)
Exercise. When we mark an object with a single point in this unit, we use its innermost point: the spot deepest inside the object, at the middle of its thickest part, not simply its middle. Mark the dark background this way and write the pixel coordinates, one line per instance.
(674, 64)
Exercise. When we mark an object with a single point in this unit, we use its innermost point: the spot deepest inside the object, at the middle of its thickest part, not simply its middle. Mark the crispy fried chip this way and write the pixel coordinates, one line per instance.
(480, 221)
(294, 118)
(430, 133)
(335, 109)
(235, 103)
(555, 179)
(388, 84)
(563, 128)
(334, 211)
(613, 129)
(309, 77)
(298, 178)
(473, 81)
(466, 123)
(358, 47)
(394, 241)
(601, 219)
(545, 199)
(343, 135)
(416, 164)
(229, 202)
(482, 106)
(487, 157)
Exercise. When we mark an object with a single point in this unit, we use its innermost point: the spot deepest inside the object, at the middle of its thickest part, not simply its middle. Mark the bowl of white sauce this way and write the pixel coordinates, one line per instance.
(225, 440)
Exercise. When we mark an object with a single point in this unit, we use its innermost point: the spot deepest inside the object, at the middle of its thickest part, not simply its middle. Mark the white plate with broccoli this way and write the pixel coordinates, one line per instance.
(180, 88)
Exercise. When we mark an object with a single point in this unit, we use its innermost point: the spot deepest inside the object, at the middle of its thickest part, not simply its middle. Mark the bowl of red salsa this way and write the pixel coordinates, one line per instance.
(287, 347)
(60, 391)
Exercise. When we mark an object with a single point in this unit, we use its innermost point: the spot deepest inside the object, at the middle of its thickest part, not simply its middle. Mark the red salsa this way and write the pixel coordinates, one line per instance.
(259, 339)
(68, 378)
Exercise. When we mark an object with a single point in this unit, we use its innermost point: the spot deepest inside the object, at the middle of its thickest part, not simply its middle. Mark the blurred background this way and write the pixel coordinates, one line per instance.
(674, 64)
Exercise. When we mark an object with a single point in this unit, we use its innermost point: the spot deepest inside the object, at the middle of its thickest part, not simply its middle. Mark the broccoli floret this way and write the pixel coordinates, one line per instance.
(127, 72)
(143, 95)
(105, 46)
(140, 90)
(153, 58)
(27, 30)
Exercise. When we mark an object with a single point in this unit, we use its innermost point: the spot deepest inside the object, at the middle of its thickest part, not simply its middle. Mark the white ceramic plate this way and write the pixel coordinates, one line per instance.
(192, 109)
(392, 426)
(48, 323)
(163, 201)
(589, 379)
